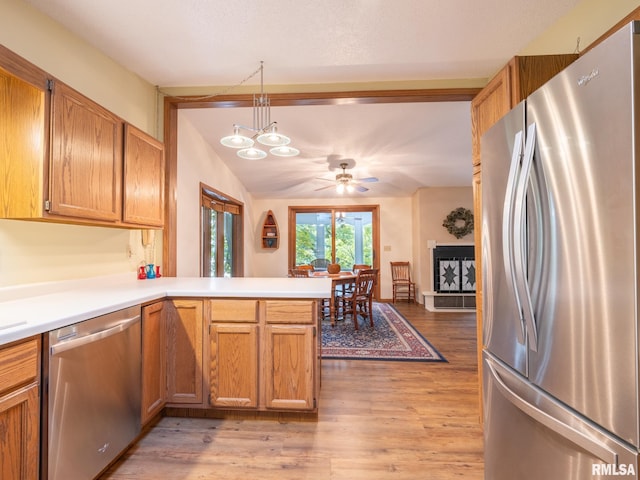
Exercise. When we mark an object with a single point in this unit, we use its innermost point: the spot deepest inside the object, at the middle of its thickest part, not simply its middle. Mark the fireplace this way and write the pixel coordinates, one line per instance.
(454, 269)
(454, 278)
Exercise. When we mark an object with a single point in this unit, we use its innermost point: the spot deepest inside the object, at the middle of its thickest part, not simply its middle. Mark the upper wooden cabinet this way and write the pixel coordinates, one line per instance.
(23, 116)
(67, 159)
(143, 178)
(86, 158)
(519, 78)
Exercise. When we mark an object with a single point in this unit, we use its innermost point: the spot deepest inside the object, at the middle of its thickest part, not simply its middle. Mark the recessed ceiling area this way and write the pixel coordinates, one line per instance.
(390, 141)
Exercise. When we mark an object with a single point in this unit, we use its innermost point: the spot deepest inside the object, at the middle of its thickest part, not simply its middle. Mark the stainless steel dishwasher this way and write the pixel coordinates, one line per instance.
(94, 393)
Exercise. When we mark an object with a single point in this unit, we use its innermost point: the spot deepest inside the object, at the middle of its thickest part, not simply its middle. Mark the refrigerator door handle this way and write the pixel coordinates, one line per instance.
(520, 238)
(591, 445)
(507, 229)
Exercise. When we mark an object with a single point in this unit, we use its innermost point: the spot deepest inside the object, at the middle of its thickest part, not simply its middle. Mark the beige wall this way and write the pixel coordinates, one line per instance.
(431, 206)
(32, 252)
(35, 252)
(587, 22)
(396, 239)
(197, 162)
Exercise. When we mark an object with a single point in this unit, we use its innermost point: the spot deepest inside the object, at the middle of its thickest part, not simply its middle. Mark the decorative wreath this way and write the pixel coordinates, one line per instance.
(459, 222)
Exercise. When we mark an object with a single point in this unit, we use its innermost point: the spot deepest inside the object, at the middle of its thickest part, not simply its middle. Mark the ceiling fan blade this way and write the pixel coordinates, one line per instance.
(360, 188)
(367, 179)
(324, 188)
(325, 179)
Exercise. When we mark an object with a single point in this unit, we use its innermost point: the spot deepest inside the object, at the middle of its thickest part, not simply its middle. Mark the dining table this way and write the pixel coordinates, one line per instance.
(339, 283)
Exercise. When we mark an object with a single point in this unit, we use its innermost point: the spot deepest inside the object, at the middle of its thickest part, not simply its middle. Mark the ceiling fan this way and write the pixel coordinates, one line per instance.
(345, 182)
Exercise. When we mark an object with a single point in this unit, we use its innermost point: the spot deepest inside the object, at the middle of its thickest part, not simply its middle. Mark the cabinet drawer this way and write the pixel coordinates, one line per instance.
(290, 311)
(234, 310)
(19, 364)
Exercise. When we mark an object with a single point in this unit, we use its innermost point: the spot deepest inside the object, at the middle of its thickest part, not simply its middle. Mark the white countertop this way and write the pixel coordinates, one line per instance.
(33, 309)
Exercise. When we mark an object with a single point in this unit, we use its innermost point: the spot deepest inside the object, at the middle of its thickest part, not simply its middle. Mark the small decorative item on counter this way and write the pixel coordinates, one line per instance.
(333, 268)
(158, 271)
(151, 273)
(142, 274)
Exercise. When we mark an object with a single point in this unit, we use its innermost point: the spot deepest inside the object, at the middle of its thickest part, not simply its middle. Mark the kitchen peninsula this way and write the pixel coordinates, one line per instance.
(216, 346)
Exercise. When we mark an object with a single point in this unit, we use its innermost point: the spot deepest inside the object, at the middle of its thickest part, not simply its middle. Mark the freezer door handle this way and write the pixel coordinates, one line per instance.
(520, 238)
(507, 228)
(591, 445)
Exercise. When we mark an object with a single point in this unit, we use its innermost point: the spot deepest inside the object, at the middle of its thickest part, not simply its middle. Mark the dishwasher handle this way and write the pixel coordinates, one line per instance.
(94, 337)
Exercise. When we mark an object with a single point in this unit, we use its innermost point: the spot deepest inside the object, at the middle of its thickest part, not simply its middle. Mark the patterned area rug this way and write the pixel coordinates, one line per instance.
(392, 338)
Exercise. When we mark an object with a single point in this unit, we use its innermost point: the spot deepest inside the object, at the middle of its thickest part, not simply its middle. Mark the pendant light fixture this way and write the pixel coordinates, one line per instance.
(264, 131)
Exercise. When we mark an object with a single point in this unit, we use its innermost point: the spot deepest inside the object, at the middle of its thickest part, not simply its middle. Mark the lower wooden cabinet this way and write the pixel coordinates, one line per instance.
(154, 360)
(263, 354)
(20, 410)
(289, 367)
(184, 319)
(234, 365)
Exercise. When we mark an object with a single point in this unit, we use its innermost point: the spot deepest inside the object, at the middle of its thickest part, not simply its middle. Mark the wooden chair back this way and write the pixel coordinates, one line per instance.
(400, 272)
(359, 266)
(299, 272)
(320, 263)
(402, 285)
(365, 281)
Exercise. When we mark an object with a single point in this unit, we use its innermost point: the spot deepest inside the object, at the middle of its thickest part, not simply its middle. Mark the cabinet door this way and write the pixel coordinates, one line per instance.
(488, 107)
(289, 367)
(477, 237)
(184, 351)
(154, 358)
(19, 439)
(22, 147)
(143, 179)
(86, 158)
(234, 365)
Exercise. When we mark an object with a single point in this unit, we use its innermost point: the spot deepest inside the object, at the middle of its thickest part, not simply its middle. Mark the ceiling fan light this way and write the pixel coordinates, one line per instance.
(350, 188)
(252, 153)
(273, 139)
(340, 188)
(237, 140)
(284, 151)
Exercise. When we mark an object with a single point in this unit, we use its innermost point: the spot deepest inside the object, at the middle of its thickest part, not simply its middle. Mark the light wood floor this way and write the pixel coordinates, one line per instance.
(377, 420)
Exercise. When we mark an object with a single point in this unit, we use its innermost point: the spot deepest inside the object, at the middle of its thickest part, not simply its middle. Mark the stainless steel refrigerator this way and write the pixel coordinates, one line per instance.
(561, 260)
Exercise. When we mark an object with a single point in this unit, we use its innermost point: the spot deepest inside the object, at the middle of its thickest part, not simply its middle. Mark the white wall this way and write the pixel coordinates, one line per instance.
(197, 162)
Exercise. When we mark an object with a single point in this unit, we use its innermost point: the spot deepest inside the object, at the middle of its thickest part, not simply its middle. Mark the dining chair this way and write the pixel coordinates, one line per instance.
(320, 263)
(299, 272)
(359, 301)
(359, 266)
(403, 286)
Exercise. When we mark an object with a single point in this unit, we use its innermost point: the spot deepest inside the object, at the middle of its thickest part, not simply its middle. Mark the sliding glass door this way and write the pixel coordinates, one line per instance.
(343, 235)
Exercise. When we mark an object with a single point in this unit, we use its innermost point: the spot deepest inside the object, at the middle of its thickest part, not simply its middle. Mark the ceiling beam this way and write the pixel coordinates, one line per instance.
(328, 98)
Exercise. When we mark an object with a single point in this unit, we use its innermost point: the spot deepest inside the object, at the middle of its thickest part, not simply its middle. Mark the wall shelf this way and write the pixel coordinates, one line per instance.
(270, 239)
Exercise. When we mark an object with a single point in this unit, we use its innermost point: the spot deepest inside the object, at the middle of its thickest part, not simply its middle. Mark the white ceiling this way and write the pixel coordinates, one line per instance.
(407, 146)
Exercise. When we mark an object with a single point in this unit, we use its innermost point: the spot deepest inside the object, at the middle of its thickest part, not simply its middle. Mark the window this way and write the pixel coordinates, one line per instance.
(222, 251)
(343, 235)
